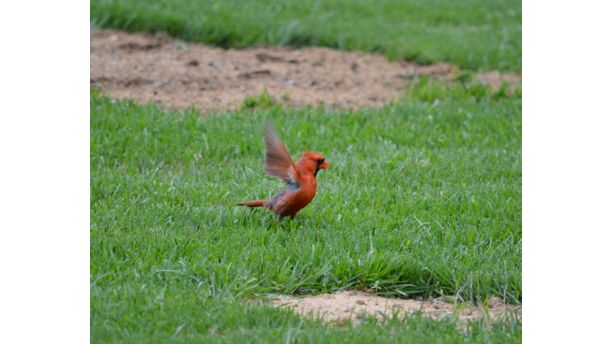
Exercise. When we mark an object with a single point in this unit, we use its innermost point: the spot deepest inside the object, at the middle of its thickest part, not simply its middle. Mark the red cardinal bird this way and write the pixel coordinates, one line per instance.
(300, 177)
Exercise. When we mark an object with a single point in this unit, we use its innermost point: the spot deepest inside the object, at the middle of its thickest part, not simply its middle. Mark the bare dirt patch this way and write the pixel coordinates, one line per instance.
(357, 305)
(156, 68)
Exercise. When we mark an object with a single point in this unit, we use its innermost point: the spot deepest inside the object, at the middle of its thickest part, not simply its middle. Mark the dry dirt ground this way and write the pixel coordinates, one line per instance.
(157, 68)
(355, 306)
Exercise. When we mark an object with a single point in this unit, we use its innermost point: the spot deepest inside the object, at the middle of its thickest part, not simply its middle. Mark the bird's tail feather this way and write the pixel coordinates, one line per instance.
(257, 203)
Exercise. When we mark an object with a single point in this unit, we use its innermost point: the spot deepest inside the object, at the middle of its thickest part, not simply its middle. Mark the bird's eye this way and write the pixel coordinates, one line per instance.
(320, 161)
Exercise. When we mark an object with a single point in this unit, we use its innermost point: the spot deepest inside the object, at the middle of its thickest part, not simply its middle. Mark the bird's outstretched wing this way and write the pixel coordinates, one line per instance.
(278, 162)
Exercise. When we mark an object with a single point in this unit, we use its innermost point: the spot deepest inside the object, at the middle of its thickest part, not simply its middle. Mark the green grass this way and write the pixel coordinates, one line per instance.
(475, 34)
(423, 198)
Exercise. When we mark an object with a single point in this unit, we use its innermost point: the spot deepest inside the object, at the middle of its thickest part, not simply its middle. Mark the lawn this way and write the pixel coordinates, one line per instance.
(474, 34)
(423, 198)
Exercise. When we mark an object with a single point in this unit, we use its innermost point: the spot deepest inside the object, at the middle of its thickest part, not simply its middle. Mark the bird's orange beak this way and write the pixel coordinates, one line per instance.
(324, 165)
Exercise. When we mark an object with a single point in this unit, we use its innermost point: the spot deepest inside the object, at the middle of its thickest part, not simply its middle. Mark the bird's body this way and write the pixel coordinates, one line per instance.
(300, 177)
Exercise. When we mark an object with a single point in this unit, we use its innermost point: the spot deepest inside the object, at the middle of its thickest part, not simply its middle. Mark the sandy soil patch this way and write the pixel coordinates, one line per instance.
(157, 68)
(356, 305)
